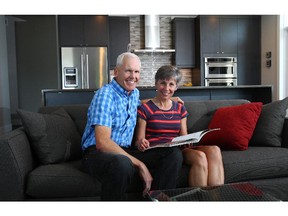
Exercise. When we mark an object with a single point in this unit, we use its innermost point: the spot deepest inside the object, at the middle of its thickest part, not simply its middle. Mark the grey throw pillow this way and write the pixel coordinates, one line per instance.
(268, 131)
(54, 137)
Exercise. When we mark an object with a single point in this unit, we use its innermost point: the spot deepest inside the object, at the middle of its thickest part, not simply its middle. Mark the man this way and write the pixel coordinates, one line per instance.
(107, 138)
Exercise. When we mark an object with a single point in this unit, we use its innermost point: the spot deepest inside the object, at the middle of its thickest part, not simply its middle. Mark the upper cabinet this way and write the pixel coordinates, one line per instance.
(119, 37)
(184, 42)
(87, 30)
(218, 34)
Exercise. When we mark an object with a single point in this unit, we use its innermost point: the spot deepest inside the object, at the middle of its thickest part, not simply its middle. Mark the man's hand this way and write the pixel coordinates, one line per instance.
(105, 144)
(146, 177)
(177, 99)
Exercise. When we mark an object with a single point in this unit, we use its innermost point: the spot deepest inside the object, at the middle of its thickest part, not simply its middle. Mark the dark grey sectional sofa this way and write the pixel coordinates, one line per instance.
(54, 172)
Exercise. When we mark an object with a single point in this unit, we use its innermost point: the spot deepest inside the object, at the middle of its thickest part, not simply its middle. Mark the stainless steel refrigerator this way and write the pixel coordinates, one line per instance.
(84, 67)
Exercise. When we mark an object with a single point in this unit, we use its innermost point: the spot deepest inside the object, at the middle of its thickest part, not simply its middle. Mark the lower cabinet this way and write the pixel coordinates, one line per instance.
(257, 93)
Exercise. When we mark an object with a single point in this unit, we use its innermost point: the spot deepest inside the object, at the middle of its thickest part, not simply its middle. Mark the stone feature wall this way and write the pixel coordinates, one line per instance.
(150, 64)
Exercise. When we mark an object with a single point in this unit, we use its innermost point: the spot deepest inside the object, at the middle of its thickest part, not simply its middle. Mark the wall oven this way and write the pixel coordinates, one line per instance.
(222, 69)
(221, 82)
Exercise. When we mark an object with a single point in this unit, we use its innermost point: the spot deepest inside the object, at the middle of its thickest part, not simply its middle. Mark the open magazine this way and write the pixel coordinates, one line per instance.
(191, 138)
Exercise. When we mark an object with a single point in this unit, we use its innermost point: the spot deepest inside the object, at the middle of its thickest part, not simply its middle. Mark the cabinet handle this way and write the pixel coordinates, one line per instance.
(82, 71)
(87, 71)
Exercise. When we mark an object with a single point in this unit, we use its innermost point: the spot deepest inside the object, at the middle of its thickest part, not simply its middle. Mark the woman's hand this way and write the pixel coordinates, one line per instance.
(143, 144)
(187, 145)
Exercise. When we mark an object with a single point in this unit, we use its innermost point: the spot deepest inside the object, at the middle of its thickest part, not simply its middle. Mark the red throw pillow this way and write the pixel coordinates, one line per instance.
(237, 124)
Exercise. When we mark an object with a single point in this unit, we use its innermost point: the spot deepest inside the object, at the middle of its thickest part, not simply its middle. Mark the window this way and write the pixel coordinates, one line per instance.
(283, 55)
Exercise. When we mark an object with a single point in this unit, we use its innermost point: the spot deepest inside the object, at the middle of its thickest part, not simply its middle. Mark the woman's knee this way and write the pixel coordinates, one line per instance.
(214, 152)
(196, 158)
(202, 159)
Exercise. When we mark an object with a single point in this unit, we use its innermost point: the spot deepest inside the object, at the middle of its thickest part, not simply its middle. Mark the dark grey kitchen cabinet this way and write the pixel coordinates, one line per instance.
(119, 37)
(83, 30)
(184, 42)
(238, 36)
(249, 49)
(218, 34)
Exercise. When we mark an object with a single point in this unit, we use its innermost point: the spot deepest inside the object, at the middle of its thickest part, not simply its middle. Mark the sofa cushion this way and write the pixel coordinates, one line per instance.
(201, 112)
(66, 180)
(268, 131)
(285, 134)
(54, 137)
(77, 112)
(61, 180)
(255, 163)
(237, 124)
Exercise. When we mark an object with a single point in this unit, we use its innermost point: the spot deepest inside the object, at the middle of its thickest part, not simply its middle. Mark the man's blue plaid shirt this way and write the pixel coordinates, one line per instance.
(113, 107)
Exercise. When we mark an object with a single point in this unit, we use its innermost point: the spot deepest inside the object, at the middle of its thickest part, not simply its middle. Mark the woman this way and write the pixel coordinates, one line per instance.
(161, 119)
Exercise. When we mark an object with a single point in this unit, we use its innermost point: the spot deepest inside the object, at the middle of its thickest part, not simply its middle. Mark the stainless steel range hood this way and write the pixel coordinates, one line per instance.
(152, 36)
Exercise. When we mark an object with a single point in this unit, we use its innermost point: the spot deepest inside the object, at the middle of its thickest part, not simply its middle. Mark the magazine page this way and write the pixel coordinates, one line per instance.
(196, 136)
(185, 139)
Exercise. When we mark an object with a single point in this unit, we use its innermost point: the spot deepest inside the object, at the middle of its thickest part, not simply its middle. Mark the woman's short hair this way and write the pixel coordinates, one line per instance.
(167, 72)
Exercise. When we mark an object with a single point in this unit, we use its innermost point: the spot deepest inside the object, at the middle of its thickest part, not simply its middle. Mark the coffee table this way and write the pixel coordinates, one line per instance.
(227, 192)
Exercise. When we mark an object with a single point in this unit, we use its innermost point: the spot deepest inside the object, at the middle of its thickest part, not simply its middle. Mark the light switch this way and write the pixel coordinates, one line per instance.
(268, 54)
(268, 63)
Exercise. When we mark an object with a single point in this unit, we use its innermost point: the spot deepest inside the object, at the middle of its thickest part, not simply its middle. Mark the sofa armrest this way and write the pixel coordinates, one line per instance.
(15, 163)
(285, 134)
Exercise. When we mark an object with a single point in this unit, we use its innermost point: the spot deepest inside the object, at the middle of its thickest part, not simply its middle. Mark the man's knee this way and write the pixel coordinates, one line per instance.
(121, 165)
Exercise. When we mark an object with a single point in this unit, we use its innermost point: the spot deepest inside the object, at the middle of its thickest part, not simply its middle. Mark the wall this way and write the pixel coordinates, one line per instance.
(5, 120)
(269, 41)
(12, 63)
(37, 58)
(12, 68)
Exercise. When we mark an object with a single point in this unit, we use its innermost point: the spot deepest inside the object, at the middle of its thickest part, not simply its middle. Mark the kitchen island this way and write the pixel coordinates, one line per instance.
(253, 93)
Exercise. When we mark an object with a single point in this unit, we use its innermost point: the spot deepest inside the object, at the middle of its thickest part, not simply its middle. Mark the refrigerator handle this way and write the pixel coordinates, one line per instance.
(82, 72)
(87, 71)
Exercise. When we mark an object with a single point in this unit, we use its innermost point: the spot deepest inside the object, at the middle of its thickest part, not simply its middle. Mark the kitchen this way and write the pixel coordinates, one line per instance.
(178, 42)
(150, 60)
(149, 36)
(39, 39)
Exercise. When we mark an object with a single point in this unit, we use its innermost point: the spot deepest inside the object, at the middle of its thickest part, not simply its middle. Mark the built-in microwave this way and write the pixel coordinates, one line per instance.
(221, 82)
(220, 67)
